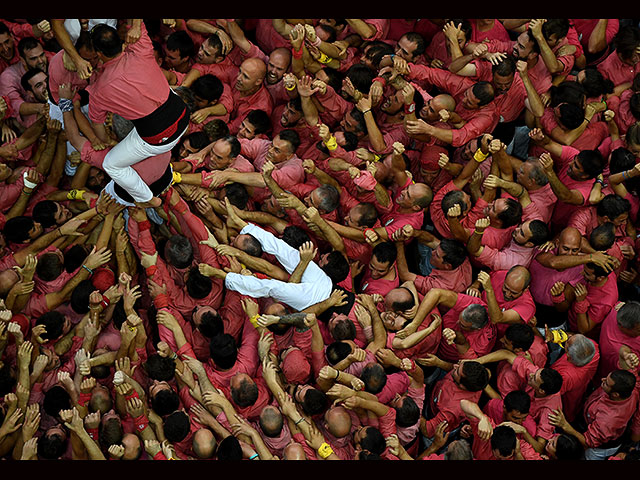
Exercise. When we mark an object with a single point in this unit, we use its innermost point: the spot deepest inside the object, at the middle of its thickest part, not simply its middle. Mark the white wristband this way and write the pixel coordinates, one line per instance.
(28, 183)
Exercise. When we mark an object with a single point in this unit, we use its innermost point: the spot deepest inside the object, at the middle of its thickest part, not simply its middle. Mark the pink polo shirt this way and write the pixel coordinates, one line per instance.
(381, 285)
(226, 70)
(260, 100)
(616, 70)
(607, 419)
(445, 403)
(59, 75)
(395, 219)
(457, 279)
(611, 339)
(508, 379)
(480, 341)
(509, 256)
(545, 200)
(541, 407)
(496, 32)
(523, 305)
(494, 409)
(575, 381)
(543, 278)
(131, 85)
(601, 301)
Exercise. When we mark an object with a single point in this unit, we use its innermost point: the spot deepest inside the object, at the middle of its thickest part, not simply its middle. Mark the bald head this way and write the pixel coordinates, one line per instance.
(338, 421)
(132, 446)
(398, 300)
(519, 274)
(444, 101)
(569, 241)
(100, 400)
(271, 421)
(294, 451)
(204, 443)
(250, 76)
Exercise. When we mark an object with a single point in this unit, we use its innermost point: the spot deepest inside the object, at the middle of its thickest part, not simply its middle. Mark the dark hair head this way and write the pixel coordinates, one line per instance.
(237, 194)
(181, 41)
(555, 26)
(16, 229)
(223, 351)
(80, 296)
(178, 251)
(337, 351)
(512, 215)
(568, 447)
(344, 329)
(56, 399)
(337, 267)
(245, 394)
(377, 52)
(418, 39)
(53, 322)
(4, 29)
(215, 129)
(455, 252)
(408, 414)
(621, 160)
(110, 433)
(229, 449)
(295, 236)
(595, 84)
(484, 92)
(361, 124)
(368, 214)
(474, 376)
(27, 43)
(592, 162)
(51, 447)
(374, 378)
(361, 76)
(624, 382)
(198, 140)
(198, 286)
(160, 368)
(628, 316)
(314, 402)
(373, 441)
(603, 237)
(49, 267)
(613, 206)
(252, 246)
(44, 213)
(476, 314)
(551, 381)
(385, 252)
(211, 324)
(458, 450)
(208, 87)
(539, 232)
(292, 137)
(29, 74)
(506, 67)
(177, 426)
(329, 198)
(260, 120)
(517, 400)
(626, 41)
(520, 335)
(454, 197)
(106, 40)
(570, 116)
(74, 257)
(503, 440)
(165, 402)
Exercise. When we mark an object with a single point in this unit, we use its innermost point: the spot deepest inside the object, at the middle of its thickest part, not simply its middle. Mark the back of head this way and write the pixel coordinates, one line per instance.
(165, 402)
(295, 236)
(229, 449)
(271, 422)
(198, 285)
(237, 194)
(223, 351)
(314, 402)
(517, 400)
(374, 378)
(613, 206)
(53, 322)
(80, 297)
(292, 137)
(56, 399)
(337, 267)
(106, 40)
(628, 316)
(181, 41)
(361, 77)
(475, 314)
(458, 450)
(208, 87)
(160, 368)
(484, 92)
(570, 115)
(329, 198)
(567, 92)
(551, 381)
(215, 130)
(385, 252)
(203, 443)
(51, 447)
(455, 252)
(110, 432)
(178, 251)
(245, 394)
(624, 382)
(260, 120)
(539, 232)
(568, 447)
(408, 414)
(337, 351)
(16, 229)
(603, 237)
(49, 267)
(44, 213)
(373, 441)
(520, 335)
(503, 440)
(176, 426)
(475, 376)
(581, 350)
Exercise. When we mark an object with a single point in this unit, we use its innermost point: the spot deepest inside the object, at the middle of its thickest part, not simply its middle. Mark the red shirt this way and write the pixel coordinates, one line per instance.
(381, 285)
(508, 379)
(131, 85)
(496, 32)
(523, 305)
(445, 403)
(616, 70)
(260, 100)
(457, 279)
(607, 419)
(601, 300)
(575, 381)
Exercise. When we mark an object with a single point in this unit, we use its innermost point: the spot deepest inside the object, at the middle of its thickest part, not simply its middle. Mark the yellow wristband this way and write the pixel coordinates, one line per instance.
(325, 450)
(376, 157)
(254, 320)
(75, 194)
(331, 144)
(291, 88)
(177, 177)
(479, 156)
(324, 59)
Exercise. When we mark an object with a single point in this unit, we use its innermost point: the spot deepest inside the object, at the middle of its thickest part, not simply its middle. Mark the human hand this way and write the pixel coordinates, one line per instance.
(308, 252)
(449, 336)
(152, 447)
(557, 289)
(482, 224)
(92, 420)
(30, 449)
(581, 292)
(97, 258)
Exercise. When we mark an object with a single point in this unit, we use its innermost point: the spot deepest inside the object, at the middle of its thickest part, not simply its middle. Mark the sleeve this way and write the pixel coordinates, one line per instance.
(248, 351)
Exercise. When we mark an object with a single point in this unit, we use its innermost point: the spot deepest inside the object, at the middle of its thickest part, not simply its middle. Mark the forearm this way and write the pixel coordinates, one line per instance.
(495, 312)
(375, 135)
(296, 275)
(549, 58)
(20, 205)
(474, 247)
(361, 28)
(598, 40)
(535, 103)
(401, 262)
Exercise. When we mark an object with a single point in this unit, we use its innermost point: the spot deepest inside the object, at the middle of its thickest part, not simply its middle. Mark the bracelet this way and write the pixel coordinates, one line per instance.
(302, 419)
(291, 88)
(332, 143)
(105, 302)
(86, 268)
(177, 177)
(174, 356)
(588, 121)
(325, 450)
(296, 54)
(481, 232)
(382, 80)
(253, 457)
(254, 320)
(26, 193)
(75, 194)
(624, 175)
(558, 298)
(28, 183)
(324, 59)
(337, 374)
(479, 156)
(65, 105)
(376, 157)
(366, 111)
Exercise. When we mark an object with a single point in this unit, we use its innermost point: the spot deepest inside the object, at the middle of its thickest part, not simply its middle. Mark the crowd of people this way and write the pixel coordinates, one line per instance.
(320, 239)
